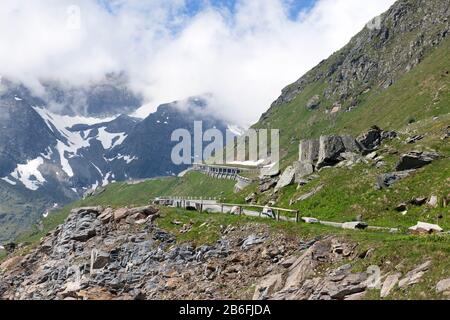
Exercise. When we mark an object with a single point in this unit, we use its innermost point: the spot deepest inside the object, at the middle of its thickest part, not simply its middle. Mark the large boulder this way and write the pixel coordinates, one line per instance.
(350, 144)
(371, 139)
(302, 169)
(309, 151)
(330, 151)
(286, 179)
(80, 226)
(416, 160)
(350, 285)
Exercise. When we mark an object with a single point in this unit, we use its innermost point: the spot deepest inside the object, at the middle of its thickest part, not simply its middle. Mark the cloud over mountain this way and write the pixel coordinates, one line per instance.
(242, 56)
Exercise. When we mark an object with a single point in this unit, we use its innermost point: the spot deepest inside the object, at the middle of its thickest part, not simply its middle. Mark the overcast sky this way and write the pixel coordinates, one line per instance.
(242, 51)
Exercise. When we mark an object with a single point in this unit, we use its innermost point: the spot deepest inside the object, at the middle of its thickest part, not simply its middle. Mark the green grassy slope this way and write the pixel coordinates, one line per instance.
(420, 94)
(349, 192)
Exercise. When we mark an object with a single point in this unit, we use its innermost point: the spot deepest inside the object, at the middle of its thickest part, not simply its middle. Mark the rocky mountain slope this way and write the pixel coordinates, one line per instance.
(51, 158)
(138, 253)
(392, 72)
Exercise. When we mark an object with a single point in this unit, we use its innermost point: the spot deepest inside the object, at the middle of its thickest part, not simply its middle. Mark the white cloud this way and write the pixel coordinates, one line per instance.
(244, 59)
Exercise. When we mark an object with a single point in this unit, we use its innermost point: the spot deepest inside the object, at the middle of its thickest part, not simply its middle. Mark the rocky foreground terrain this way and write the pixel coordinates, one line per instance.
(121, 254)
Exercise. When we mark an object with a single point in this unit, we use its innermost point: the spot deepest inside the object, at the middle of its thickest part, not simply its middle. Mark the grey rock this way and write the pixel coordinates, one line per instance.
(388, 135)
(287, 263)
(443, 286)
(106, 215)
(268, 286)
(350, 285)
(425, 228)
(330, 151)
(389, 284)
(269, 171)
(309, 151)
(350, 144)
(252, 240)
(372, 155)
(79, 227)
(388, 179)
(99, 260)
(286, 179)
(308, 195)
(401, 207)
(356, 296)
(414, 276)
(313, 103)
(302, 169)
(351, 157)
(267, 184)
(416, 160)
(418, 201)
(433, 202)
(371, 139)
(414, 139)
(250, 198)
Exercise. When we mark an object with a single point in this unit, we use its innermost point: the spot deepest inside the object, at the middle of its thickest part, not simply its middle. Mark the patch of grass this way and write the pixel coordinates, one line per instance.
(3, 255)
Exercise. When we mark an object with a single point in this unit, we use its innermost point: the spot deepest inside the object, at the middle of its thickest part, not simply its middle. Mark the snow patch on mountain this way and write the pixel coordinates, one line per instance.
(47, 154)
(110, 140)
(107, 179)
(98, 169)
(65, 165)
(9, 181)
(128, 159)
(28, 174)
